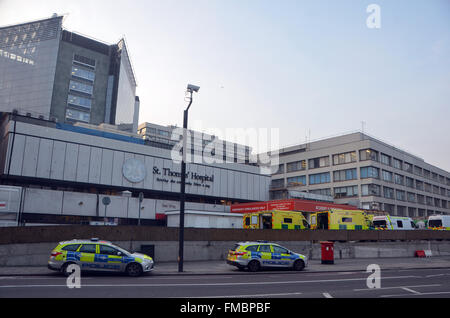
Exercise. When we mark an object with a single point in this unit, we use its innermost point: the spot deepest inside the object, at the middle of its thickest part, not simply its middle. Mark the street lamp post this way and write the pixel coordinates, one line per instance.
(190, 89)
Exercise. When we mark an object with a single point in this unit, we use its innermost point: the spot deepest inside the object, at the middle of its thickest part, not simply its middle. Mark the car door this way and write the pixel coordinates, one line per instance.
(109, 258)
(281, 256)
(265, 251)
(87, 256)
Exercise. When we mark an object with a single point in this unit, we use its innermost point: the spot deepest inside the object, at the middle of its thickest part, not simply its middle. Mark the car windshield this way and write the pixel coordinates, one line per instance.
(380, 223)
(435, 223)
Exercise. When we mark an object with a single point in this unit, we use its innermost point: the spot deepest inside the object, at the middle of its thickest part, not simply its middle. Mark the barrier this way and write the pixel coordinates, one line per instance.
(36, 234)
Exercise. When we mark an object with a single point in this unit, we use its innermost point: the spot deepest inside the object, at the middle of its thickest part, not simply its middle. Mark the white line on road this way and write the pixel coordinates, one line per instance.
(394, 287)
(209, 284)
(419, 294)
(327, 295)
(410, 290)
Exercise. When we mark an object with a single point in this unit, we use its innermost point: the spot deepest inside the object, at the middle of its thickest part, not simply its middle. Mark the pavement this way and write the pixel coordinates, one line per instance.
(220, 267)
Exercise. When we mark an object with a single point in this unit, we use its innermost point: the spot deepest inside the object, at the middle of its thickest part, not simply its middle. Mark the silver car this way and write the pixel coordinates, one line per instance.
(98, 255)
(255, 255)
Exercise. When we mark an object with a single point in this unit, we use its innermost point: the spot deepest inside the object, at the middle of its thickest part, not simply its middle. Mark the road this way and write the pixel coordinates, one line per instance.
(414, 283)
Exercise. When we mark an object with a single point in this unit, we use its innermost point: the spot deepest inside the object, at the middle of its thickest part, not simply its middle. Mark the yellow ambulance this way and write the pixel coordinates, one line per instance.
(338, 219)
(275, 219)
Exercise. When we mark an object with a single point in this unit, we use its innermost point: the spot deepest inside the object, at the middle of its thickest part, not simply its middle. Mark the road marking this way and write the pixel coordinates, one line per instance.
(394, 287)
(209, 284)
(327, 295)
(419, 294)
(410, 290)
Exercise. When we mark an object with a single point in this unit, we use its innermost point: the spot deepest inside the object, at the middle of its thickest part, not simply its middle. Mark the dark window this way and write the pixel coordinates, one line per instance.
(287, 220)
(265, 249)
(108, 250)
(399, 224)
(252, 248)
(71, 247)
(348, 220)
(88, 248)
(279, 249)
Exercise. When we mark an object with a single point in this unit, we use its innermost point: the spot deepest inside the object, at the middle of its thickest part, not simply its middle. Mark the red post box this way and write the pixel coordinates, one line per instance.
(327, 252)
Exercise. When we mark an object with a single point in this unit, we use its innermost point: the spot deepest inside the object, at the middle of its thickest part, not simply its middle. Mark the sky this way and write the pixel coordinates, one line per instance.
(306, 69)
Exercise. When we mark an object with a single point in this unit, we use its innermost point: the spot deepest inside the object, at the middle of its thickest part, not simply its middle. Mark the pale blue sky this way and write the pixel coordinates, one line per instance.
(298, 66)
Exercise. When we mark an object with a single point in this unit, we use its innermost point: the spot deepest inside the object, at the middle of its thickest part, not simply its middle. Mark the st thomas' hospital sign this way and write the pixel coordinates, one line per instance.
(134, 171)
(196, 178)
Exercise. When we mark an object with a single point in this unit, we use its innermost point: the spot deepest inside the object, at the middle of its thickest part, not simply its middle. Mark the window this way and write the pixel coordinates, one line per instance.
(287, 220)
(79, 101)
(420, 199)
(252, 248)
(417, 170)
(85, 61)
(386, 175)
(344, 158)
(388, 193)
(71, 247)
(427, 187)
(409, 182)
(345, 192)
(429, 201)
(81, 87)
(399, 179)
(368, 154)
(299, 180)
(326, 191)
(343, 175)
(319, 178)
(426, 174)
(407, 167)
(277, 183)
(265, 249)
(347, 220)
(88, 248)
(370, 172)
(279, 249)
(397, 163)
(399, 224)
(77, 115)
(400, 195)
(411, 197)
(319, 162)
(370, 189)
(163, 133)
(385, 159)
(280, 168)
(419, 185)
(296, 166)
(108, 250)
(84, 74)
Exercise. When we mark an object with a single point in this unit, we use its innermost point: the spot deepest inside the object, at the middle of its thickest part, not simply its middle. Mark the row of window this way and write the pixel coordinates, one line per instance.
(79, 99)
(364, 154)
(370, 154)
(365, 172)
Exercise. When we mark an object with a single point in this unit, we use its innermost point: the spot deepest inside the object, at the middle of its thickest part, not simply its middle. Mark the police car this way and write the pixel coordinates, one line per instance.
(98, 255)
(255, 255)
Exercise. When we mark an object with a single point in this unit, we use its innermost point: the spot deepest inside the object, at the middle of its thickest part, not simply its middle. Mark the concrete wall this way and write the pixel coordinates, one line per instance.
(29, 246)
(37, 254)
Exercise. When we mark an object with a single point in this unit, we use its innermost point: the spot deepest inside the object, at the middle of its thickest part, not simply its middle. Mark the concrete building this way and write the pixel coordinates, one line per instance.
(52, 72)
(361, 170)
(167, 137)
(61, 172)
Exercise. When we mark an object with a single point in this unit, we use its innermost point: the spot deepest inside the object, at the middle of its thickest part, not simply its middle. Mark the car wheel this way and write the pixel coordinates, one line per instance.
(134, 270)
(253, 266)
(299, 265)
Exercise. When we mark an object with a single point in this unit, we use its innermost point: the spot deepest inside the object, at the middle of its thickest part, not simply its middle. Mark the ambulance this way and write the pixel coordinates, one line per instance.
(275, 219)
(439, 222)
(339, 219)
(387, 222)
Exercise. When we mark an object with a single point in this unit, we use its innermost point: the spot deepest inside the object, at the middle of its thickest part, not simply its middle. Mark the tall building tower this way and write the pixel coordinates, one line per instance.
(47, 70)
